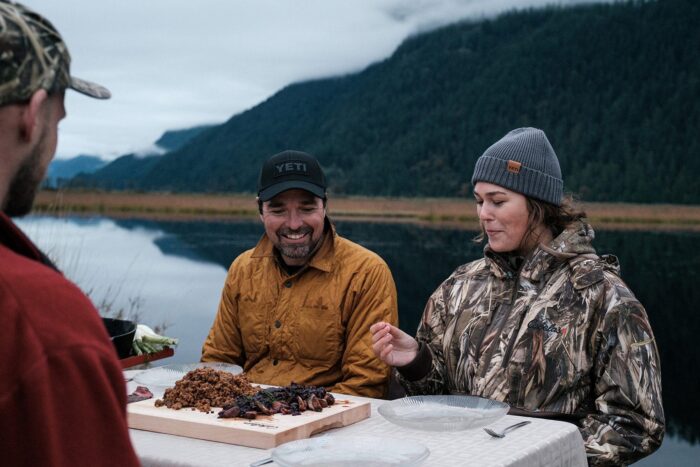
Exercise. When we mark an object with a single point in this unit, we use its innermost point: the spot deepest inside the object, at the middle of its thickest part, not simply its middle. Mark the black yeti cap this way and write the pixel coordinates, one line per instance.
(288, 170)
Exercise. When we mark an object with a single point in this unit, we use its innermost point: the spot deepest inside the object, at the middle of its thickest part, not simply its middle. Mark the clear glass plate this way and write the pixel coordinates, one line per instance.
(163, 377)
(336, 451)
(443, 413)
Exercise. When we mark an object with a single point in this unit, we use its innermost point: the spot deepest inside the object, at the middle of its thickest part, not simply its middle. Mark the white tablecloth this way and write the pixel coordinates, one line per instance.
(541, 443)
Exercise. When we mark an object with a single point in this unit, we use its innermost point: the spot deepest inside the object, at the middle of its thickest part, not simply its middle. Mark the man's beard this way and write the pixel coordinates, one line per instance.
(25, 184)
(296, 251)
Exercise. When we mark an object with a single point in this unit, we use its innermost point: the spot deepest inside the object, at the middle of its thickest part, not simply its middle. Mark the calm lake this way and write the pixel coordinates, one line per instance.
(172, 273)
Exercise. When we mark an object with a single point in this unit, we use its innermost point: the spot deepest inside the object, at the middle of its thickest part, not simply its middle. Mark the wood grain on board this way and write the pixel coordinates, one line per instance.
(266, 431)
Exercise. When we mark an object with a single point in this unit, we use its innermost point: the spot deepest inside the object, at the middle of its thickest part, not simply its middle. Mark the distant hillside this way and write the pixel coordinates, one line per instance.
(127, 172)
(62, 170)
(175, 139)
(615, 86)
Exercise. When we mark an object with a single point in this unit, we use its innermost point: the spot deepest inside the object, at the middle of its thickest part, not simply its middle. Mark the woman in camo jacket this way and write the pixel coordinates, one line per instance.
(541, 322)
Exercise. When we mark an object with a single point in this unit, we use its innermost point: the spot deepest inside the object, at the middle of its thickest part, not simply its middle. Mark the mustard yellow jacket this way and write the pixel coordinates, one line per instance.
(311, 327)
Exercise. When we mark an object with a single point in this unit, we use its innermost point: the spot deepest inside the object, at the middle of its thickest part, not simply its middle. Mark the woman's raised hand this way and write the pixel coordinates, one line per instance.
(393, 346)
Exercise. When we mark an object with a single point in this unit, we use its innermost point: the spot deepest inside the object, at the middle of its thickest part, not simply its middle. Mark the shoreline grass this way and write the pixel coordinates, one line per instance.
(435, 212)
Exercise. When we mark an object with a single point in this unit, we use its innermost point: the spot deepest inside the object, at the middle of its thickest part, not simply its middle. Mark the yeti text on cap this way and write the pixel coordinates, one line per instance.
(291, 167)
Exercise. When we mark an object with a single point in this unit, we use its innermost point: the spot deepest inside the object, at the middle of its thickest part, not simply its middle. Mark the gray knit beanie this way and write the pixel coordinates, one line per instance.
(523, 161)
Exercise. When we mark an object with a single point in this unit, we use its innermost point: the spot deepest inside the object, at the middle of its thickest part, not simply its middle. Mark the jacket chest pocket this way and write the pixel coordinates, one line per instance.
(251, 319)
(551, 356)
(318, 334)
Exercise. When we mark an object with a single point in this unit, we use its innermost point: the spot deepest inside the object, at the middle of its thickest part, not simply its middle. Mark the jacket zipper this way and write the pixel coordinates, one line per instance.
(513, 337)
(509, 276)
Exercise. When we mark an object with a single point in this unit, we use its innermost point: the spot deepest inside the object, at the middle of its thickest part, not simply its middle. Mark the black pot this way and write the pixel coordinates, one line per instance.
(122, 333)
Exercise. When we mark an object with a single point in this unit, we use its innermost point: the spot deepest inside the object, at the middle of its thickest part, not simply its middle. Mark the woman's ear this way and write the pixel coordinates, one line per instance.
(31, 115)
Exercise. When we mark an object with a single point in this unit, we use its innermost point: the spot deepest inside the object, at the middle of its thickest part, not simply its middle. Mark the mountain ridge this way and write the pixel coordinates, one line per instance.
(614, 87)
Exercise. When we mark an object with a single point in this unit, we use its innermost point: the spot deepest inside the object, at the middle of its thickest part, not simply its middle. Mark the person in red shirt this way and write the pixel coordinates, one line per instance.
(62, 392)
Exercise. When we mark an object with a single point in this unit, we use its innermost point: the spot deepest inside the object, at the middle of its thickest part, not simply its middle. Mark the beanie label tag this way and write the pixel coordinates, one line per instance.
(514, 167)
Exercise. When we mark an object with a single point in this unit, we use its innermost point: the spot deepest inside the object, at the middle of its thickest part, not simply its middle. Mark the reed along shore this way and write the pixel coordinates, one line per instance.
(437, 212)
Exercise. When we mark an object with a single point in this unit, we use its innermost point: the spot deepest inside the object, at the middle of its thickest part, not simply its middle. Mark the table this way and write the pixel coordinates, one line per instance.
(541, 443)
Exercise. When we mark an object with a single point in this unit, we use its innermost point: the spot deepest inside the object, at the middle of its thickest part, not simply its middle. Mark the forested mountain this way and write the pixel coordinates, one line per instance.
(62, 170)
(127, 172)
(615, 86)
(175, 139)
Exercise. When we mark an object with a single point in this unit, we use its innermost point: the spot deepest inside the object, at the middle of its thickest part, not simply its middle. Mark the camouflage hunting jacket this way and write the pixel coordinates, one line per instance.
(562, 336)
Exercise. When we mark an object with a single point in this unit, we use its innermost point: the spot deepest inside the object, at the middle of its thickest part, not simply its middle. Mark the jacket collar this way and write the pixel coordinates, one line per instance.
(14, 239)
(321, 260)
(575, 240)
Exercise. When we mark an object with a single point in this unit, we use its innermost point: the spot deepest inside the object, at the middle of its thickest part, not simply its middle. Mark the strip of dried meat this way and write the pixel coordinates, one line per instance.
(140, 394)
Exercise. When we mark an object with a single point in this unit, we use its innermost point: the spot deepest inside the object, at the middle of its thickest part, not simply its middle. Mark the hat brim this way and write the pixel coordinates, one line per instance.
(89, 88)
(274, 190)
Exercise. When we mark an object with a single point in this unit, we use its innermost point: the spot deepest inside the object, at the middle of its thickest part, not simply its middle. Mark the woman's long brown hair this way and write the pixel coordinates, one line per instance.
(555, 218)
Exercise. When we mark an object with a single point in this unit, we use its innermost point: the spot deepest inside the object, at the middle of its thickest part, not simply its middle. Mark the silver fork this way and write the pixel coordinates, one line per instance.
(502, 433)
(264, 461)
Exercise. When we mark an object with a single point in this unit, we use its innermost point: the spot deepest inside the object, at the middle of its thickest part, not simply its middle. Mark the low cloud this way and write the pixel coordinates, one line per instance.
(176, 63)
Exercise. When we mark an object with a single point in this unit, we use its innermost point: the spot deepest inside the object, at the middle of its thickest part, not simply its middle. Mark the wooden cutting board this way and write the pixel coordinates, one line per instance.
(266, 431)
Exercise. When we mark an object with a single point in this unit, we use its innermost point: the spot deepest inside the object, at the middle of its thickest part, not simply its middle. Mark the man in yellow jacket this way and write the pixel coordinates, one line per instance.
(298, 306)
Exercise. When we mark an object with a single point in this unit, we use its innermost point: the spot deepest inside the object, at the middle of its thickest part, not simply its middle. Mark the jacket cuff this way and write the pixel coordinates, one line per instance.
(420, 366)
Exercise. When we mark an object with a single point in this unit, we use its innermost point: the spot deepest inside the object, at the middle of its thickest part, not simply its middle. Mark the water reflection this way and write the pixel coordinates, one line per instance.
(178, 268)
(122, 266)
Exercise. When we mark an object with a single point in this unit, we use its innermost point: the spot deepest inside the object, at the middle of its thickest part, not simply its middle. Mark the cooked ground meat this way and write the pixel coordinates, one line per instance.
(205, 388)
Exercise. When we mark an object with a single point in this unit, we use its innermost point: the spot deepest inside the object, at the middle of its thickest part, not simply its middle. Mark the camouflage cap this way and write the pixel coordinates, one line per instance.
(33, 56)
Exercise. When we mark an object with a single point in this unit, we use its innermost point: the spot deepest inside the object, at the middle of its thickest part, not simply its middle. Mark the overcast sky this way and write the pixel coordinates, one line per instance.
(174, 64)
